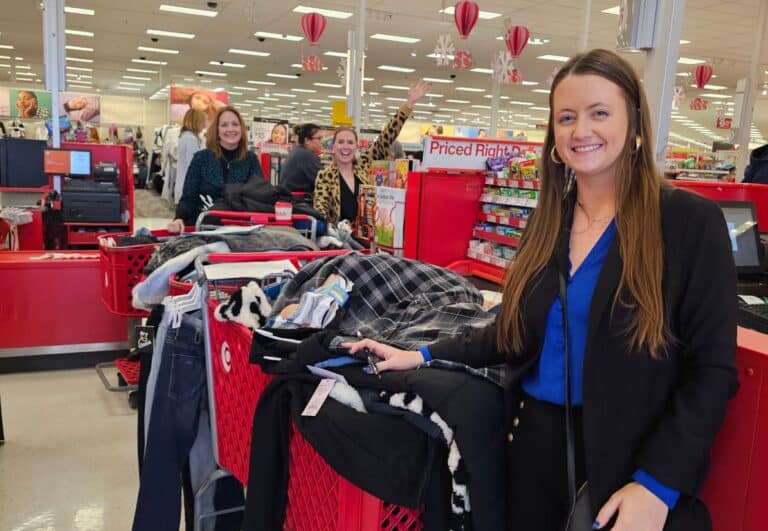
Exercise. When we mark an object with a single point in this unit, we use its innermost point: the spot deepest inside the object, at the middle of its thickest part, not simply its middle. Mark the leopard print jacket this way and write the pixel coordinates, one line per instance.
(328, 182)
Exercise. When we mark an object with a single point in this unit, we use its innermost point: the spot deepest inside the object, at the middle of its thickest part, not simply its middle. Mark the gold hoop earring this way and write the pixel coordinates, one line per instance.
(553, 156)
(638, 144)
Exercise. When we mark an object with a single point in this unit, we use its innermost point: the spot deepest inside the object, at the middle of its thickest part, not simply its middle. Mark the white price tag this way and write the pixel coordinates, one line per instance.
(318, 398)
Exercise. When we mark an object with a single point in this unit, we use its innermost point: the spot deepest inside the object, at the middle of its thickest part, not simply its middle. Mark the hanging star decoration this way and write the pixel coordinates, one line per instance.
(502, 66)
(341, 70)
(444, 50)
(251, 12)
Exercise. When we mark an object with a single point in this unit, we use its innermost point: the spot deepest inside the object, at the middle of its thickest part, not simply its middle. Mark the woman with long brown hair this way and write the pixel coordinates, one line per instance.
(225, 159)
(649, 280)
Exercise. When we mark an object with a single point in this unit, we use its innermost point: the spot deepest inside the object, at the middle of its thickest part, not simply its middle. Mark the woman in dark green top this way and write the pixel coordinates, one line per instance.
(226, 159)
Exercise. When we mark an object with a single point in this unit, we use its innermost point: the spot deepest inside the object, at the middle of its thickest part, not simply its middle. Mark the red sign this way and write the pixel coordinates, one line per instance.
(723, 122)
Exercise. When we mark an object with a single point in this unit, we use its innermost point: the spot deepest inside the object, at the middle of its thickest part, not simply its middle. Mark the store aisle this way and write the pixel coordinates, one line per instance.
(69, 460)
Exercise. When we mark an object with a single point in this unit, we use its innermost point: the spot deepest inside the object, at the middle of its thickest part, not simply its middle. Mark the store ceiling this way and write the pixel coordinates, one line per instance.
(720, 32)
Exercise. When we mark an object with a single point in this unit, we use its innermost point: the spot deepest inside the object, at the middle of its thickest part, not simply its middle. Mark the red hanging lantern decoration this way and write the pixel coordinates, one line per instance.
(701, 75)
(517, 39)
(465, 15)
(313, 25)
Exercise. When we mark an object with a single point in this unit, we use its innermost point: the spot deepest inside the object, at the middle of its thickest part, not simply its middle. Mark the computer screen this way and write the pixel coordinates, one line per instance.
(745, 239)
(67, 162)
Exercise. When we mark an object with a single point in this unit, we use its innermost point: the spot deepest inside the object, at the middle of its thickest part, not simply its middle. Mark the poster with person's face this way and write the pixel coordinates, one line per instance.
(30, 103)
(207, 101)
(78, 107)
(272, 132)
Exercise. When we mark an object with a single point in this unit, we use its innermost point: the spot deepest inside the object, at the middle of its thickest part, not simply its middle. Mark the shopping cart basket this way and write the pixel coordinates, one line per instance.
(318, 498)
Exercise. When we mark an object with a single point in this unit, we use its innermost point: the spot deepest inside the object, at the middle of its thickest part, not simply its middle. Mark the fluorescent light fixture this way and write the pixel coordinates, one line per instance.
(335, 54)
(436, 56)
(267, 83)
(469, 89)
(457, 101)
(26, 74)
(141, 70)
(717, 96)
(557, 58)
(326, 12)
(689, 61)
(369, 79)
(541, 91)
(683, 41)
(267, 98)
(328, 85)
(611, 10)
(4, 65)
(513, 102)
(396, 99)
(79, 48)
(335, 97)
(306, 91)
(531, 40)
(79, 11)
(240, 87)
(149, 62)
(315, 100)
(174, 34)
(79, 60)
(79, 76)
(283, 95)
(79, 84)
(79, 33)
(372, 93)
(281, 36)
(79, 68)
(283, 76)
(230, 65)
(395, 87)
(132, 89)
(482, 70)
(481, 107)
(132, 84)
(23, 67)
(437, 80)
(255, 53)
(6, 46)
(483, 15)
(712, 87)
(208, 73)
(394, 38)
(138, 78)
(188, 10)
(434, 95)
(391, 68)
(158, 50)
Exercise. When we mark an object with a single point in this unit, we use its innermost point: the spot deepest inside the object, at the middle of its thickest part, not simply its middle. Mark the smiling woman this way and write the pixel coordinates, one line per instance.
(226, 159)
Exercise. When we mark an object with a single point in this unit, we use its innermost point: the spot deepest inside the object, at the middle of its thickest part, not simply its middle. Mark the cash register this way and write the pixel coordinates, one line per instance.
(749, 256)
(88, 194)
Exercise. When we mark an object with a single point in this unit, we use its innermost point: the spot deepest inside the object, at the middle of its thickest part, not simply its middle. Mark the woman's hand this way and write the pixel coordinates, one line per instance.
(176, 226)
(417, 91)
(394, 358)
(639, 510)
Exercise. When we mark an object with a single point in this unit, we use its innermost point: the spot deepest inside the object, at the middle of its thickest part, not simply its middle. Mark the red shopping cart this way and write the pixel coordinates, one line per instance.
(318, 498)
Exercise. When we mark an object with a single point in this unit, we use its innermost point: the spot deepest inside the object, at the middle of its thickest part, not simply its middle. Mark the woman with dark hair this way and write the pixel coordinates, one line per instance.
(300, 168)
(648, 337)
(225, 159)
(337, 185)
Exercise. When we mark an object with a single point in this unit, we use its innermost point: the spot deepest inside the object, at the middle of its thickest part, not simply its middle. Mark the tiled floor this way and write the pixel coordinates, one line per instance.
(69, 460)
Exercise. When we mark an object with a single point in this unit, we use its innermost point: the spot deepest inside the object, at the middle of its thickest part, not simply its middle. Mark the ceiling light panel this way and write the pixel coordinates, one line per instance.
(173, 34)
(149, 62)
(335, 54)
(169, 8)
(281, 36)
(483, 15)
(391, 68)
(79, 33)
(158, 50)
(395, 38)
(138, 78)
(331, 13)
(254, 53)
(283, 76)
(208, 73)
(469, 89)
(79, 48)
(229, 65)
(79, 11)
(556, 58)
(79, 60)
(267, 83)
(141, 70)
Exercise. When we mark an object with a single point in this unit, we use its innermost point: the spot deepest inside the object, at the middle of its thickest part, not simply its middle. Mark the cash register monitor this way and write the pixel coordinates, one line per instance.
(745, 238)
(74, 163)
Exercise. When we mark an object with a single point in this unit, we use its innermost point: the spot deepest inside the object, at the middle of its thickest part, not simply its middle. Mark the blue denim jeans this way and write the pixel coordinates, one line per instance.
(175, 411)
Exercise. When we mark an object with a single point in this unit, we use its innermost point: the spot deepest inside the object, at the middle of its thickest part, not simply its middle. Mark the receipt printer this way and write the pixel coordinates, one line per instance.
(105, 172)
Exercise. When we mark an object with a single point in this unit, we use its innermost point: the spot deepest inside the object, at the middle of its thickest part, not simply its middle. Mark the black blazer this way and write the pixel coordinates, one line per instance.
(660, 415)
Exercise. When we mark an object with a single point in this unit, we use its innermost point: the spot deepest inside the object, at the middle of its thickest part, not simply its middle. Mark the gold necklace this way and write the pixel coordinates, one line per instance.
(591, 221)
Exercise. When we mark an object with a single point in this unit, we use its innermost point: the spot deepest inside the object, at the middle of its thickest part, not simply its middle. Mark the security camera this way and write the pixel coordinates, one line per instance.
(221, 62)
(453, 76)
(155, 39)
(213, 5)
(143, 58)
(260, 39)
(298, 75)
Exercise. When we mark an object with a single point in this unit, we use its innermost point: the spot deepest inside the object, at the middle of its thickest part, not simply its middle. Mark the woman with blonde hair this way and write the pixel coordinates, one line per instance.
(225, 159)
(610, 306)
(189, 144)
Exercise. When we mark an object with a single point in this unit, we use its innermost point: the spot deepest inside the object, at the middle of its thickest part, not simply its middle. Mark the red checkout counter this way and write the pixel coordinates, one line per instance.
(54, 305)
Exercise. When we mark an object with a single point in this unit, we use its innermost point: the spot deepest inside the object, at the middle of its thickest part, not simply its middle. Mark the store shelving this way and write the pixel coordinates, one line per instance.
(496, 238)
(523, 202)
(519, 223)
(488, 259)
(523, 184)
